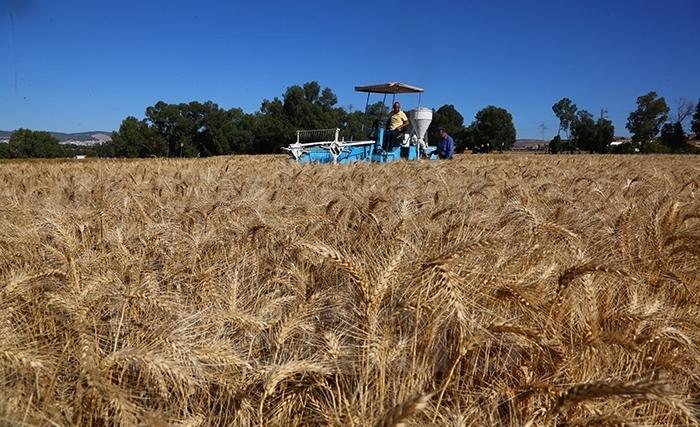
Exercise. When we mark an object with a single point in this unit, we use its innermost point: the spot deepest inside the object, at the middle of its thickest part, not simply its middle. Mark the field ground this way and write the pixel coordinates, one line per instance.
(490, 290)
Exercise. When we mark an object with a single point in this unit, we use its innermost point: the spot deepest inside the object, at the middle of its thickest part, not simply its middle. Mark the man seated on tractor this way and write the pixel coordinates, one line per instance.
(396, 125)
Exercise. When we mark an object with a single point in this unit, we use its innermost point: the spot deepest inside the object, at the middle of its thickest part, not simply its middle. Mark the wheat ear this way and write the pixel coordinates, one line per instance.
(400, 413)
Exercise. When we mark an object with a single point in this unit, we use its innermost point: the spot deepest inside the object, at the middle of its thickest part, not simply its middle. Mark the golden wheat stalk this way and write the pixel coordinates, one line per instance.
(657, 390)
(398, 415)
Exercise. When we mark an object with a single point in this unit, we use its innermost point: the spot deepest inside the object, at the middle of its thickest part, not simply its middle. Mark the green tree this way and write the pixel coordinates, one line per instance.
(606, 133)
(449, 118)
(493, 130)
(556, 145)
(299, 110)
(469, 138)
(645, 121)
(72, 150)
(673, 137)
(202, 129)
(213, 129)
(583, 132)
(272, 130)
(327, 99)
(5, 151)
(301, 107)
(377, 110)
(353, 126)
(589, 135)
(136, 139)
(695, 124)
(362, 125)
(177, 128)
(27, 143)
(240, 131)
(565, 110)
(312, 91)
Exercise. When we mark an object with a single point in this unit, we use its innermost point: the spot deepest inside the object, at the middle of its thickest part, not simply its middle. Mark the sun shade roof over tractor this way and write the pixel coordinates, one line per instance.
(392, 87)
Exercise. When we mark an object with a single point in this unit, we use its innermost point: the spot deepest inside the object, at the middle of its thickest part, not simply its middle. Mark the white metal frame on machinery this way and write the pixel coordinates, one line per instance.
(298, 149)
(335, 147)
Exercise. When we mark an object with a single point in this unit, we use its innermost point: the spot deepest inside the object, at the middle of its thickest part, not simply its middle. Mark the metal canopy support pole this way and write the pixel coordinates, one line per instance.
(364, 118)
(381, 115)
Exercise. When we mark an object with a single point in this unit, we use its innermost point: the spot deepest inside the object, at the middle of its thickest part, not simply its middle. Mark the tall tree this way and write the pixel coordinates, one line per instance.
(136, 139)
(216, 130)
(173, 124)
(312, 91)
(203, 129)
(301, 110)
(327, 99)
(272, 129)
(673, 136)
(493, 130)
(645, 121)
(695, 124)
(28, 143)
(606, 132)
(565, 110)
(241, 131)
(449, 118)
(684, 110)
(584, 132)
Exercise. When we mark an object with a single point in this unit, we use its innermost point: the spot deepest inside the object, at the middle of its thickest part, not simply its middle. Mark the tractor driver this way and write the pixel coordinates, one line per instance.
(396, 125)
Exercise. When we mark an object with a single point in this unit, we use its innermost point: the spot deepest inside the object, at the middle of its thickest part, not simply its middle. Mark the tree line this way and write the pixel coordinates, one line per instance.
(26, 143)
(196, 129)
(206, 129)
(652, 128)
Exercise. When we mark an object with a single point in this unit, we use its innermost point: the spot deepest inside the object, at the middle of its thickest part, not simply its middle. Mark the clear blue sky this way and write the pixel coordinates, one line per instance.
(78, 65)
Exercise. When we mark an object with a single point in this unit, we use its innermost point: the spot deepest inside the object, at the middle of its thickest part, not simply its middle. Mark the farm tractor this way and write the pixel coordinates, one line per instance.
(326, 145)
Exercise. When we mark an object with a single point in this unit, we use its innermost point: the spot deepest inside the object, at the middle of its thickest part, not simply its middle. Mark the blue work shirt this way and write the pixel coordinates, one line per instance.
(446, 148)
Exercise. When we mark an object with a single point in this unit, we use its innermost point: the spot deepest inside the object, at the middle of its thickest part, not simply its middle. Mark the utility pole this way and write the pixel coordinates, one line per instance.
(542, 129)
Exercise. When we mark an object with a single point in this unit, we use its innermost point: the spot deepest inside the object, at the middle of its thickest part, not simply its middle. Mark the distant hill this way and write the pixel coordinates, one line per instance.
(79, 138)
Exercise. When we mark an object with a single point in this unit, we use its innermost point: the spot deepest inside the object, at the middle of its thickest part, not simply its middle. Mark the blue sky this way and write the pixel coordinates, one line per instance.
(78, 65)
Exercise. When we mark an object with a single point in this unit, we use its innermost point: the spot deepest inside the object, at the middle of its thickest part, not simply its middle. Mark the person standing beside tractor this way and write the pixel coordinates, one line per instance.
(396, 125)
(446, 146)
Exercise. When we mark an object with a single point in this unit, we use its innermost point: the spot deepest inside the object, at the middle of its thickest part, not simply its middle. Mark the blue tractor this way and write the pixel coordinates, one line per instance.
(324, 145)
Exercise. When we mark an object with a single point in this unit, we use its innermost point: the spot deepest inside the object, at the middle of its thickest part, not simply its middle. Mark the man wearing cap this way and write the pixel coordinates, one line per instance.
(446, 146)
(397, 123)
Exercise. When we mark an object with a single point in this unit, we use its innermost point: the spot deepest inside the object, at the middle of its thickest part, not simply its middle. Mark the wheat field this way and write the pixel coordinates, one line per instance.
(492, 290)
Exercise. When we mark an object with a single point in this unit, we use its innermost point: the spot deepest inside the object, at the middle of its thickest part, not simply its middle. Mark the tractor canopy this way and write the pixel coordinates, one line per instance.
(391, 87)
